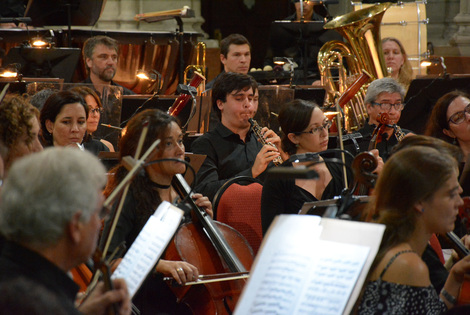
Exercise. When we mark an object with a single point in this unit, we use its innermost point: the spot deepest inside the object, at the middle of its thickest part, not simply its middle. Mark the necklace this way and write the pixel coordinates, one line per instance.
(160, 186)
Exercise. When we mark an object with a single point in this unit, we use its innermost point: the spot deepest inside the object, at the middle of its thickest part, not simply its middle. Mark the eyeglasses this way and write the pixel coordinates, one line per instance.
(387, 107)
(326, 125)
(95, 110)
(459, 117)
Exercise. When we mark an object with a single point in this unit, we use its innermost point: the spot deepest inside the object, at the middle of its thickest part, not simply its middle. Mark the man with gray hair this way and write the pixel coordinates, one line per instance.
(384, 98)
(100, 54)
(50, 214)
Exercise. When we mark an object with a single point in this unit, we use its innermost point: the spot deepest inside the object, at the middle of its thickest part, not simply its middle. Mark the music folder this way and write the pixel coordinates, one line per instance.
(310, 265)
(149, 245)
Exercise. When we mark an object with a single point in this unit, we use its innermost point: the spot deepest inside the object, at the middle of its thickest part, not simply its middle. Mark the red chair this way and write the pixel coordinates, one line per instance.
(238, 204)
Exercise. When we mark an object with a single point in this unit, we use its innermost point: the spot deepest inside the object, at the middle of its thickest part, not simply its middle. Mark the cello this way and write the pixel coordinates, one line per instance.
(214, 248)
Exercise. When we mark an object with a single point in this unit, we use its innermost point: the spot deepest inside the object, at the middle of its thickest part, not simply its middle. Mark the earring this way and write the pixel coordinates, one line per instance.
(422, 210)
(454, 141)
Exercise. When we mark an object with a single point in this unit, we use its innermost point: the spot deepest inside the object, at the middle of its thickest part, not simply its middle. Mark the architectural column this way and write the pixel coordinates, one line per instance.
(462, 38)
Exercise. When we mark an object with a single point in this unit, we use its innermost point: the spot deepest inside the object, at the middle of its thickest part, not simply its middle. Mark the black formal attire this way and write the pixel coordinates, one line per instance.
(211, 83)
(385, 146)
(154, 296)
(95, 146)
(283, 196)
(19, 262)
(227, 156)
(125, 91)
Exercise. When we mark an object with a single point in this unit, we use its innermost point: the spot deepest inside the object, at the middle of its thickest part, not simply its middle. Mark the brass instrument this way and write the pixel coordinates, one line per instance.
(363, 51)
(257, 130)
(198, 67)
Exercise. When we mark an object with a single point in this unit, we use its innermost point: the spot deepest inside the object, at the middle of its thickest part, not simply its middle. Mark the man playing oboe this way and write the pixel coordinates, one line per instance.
(231, 148)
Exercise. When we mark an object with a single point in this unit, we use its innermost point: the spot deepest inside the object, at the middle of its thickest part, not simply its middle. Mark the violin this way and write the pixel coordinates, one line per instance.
(214, 248)
(383, 119)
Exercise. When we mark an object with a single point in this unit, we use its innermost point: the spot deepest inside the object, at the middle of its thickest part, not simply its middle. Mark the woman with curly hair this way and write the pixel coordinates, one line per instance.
(19, 128)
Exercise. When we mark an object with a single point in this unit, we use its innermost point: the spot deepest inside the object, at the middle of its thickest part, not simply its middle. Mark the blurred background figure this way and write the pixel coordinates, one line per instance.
(19, 128)
(95, 108)
(396, 59)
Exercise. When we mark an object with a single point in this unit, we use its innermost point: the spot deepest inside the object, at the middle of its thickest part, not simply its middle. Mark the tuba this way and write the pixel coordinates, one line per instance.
(340, 64)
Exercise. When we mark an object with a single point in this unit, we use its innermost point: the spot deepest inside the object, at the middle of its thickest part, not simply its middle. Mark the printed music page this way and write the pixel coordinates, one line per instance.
(300, 270)
(148, 246)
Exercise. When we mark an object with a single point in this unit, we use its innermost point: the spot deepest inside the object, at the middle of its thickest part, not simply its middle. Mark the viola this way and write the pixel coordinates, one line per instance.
(214, 248)
(102, 266)
(383, 119)
(82, 276)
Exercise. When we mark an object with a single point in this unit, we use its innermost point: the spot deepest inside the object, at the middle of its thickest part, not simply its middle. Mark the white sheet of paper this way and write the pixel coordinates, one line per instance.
(296, 272)
(148, 246)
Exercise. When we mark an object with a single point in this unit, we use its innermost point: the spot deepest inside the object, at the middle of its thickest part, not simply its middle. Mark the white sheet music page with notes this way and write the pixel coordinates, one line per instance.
(297, 271)
(148, 246)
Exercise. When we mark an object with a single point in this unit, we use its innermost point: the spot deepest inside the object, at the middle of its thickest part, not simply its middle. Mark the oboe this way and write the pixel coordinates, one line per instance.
(257, 130)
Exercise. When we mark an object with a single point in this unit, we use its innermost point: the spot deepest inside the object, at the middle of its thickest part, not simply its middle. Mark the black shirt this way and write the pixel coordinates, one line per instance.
(385, 146)
(17, 261)
(283, 196)
(227, 156)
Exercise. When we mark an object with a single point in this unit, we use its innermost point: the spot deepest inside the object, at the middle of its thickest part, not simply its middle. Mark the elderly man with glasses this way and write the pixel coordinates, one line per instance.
(384, 103)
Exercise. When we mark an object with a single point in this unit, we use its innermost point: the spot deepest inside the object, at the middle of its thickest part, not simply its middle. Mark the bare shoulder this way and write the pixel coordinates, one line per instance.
(108, 144)
(407, 269)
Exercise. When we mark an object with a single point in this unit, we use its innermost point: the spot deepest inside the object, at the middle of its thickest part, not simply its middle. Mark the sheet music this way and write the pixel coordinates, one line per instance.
(148, 246)
(296, 272)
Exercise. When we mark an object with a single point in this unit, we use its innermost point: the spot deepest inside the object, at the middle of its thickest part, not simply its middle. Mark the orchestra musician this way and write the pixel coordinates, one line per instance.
(232, 148)
(397, 60)
(432, 255)
(146, 192)
(235, 55)
(304, 130)
(64, 122)
(19, 128)
(398, 281)
(450, 121)
(100, 54)
(384, 96)
(95, 108)
(51, 205)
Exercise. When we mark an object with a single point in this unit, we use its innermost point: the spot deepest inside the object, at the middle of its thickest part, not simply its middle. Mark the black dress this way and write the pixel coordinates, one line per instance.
(283, 196)
(154, 296)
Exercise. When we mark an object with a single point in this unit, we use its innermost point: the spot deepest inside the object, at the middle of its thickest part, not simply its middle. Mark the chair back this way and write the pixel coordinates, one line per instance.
(238, 204)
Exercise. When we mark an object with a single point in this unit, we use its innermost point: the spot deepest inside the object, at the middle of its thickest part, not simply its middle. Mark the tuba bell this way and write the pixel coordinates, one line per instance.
(340, 63)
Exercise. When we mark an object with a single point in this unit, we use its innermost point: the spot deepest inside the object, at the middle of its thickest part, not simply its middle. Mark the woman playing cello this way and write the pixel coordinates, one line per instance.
(146, 192)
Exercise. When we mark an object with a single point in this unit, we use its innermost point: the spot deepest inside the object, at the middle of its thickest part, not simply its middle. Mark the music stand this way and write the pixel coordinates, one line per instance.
(44, 62)
(423, 93)
(307, 36)
(65, 12)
